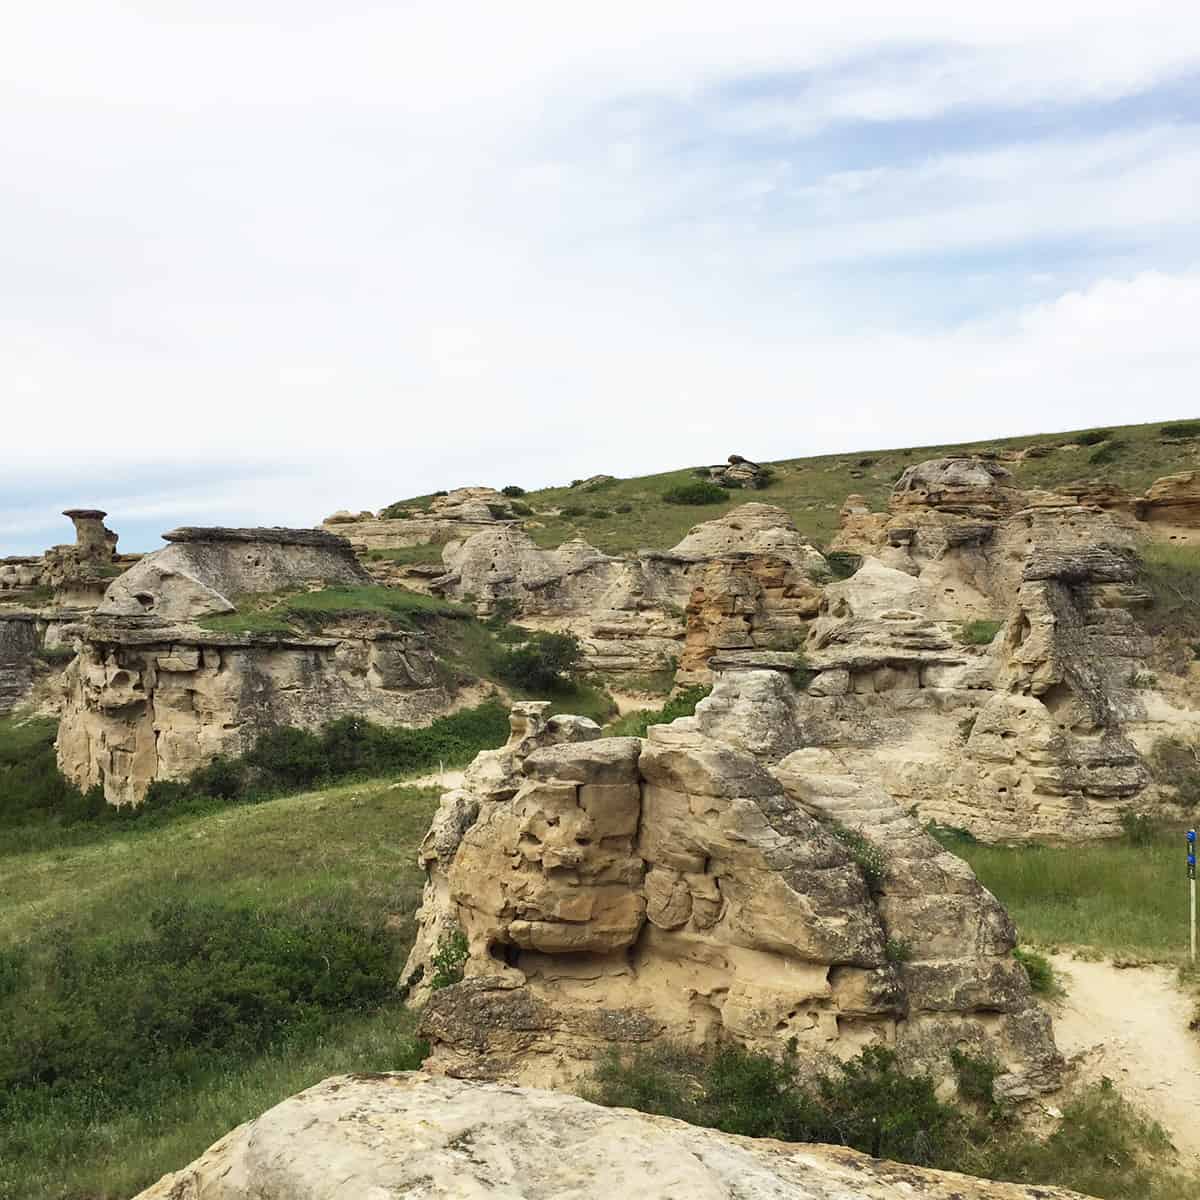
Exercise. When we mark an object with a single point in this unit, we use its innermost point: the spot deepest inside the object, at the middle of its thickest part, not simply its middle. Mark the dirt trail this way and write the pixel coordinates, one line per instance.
(1131, 1024)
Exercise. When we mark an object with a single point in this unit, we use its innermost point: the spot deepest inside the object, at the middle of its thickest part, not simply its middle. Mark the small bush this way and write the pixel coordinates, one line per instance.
(1093, 437)
(1175, 765)
(396, 512)
(976, 1076)
(512, 490)
(1182, 429)
(637, 724)
(449, 960)
(871, 860)
(980, 633)
(1107, 453)
(573, 511)
(763, 478)
(1038, 967)
(898, 950)
(1137, 827)
(601, 514)
(842, 564)
(543, 663)
(696, 492)
(520, 510)
(500, 512)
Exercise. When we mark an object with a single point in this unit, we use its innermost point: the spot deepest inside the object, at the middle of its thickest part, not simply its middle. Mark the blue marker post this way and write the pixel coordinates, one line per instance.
(1191, 865)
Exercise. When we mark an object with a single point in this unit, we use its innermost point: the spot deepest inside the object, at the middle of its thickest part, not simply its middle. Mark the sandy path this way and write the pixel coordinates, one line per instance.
(1131, 1024)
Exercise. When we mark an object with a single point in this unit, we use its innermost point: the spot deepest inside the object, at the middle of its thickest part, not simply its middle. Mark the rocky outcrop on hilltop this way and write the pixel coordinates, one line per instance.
(202, 571)
(615, 892)
(745, 580)
(455, 515)
(40, 599)
(413, 1134)
(154, 696)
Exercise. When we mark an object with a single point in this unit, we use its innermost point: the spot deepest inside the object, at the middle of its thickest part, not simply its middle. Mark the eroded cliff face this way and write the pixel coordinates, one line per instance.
(747, 579)
(615, 892)
(148, 700)
(152, 696)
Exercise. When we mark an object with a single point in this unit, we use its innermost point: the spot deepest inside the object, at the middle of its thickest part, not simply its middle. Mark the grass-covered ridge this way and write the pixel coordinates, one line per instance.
(621, 516)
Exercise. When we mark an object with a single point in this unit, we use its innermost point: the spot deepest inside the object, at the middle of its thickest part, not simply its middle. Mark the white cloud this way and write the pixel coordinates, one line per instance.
(347, 253)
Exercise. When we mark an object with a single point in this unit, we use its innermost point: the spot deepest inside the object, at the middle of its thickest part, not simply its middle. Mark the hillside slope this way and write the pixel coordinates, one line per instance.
(812, 490)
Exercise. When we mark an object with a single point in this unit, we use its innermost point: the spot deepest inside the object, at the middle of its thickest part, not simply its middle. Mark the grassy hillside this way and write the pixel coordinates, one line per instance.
(628, 514)
(153, 980)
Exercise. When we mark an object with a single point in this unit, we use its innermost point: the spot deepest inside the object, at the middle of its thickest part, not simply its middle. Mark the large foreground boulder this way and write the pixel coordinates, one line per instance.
(414, 1135)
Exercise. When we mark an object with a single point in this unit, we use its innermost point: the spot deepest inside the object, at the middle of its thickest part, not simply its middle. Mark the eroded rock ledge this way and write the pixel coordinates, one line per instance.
(415, 1135)
(614, 892)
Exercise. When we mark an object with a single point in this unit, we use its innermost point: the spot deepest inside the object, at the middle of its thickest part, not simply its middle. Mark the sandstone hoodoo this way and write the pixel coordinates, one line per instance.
(456, 514)
(154, 696)
(41, 597)
(616, 892)
(413, 1135)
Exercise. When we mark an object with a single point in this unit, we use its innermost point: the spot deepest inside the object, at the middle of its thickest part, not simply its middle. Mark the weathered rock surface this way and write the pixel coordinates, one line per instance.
(456, 515)
(203, 571)
(416, 1135)
(148, 699)
(747, 580)
(616, 892)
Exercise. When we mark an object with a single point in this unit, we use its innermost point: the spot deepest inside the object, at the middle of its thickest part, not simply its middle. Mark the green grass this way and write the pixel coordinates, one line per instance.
(812, 490)
(637, 724)
(980, 633)
(346, 852)
(428, 553)
(1112, 897)
(298, 612)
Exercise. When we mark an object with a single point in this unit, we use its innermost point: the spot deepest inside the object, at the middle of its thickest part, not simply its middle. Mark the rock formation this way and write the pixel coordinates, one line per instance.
(745, 580)
(737, 472)
(154, 696)
(416, 1135)
(41, 597)
(457, 514)
(613, 892)
(203, 571)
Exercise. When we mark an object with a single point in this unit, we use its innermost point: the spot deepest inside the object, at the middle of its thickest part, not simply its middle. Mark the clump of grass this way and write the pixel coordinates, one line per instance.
(1107, 453)
(980, 633)
(842, 564)
(698, 491)
(898, 950)
(1040, 971)
(1093, 437)
(1181, 429)
(871, 860)
(426, 552)
(449, 959)
(637, 724)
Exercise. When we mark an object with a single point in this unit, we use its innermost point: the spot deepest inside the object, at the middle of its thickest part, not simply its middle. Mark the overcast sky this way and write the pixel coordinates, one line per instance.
(262, 260)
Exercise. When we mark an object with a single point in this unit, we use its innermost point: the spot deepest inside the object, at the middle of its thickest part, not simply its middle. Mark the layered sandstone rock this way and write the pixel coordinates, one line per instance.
(747, 580)
(148, 699)
(443, 1139)
(616, 892)
(1173, 500)
(203, 570)
(456, 515)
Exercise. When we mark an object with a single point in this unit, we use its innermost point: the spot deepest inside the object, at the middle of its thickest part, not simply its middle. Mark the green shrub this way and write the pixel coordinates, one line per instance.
(396, 512)
(543, 663)
(520, 510)
(1182, 429)
(637, 724)
(500, 512)
(763, 478)
(842, 564)
(573, 511)
(867, 1103)
(449, 960)
(871, 860)
(1175, 765)
(601, 514)
(1138, 828)
(31, 787)
(976, 1076)
(512, 490)
(696, 492)
(1107, 453)
(202, 979)
(1093, 437)
(980, 633)
(898, 950)
(1040, 970)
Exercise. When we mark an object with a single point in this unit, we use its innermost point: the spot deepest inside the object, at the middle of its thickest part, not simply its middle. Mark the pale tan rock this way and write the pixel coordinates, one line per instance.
(445, 1139)
(630, 891)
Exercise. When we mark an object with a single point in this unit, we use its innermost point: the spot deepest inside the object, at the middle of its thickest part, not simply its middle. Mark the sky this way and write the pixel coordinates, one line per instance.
(260, 261)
